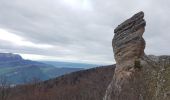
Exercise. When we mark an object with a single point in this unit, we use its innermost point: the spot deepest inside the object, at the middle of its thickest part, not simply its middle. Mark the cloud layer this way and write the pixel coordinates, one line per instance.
(78, 30)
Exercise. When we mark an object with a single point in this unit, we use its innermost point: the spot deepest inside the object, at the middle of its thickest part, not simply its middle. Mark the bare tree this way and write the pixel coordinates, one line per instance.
(4, 88)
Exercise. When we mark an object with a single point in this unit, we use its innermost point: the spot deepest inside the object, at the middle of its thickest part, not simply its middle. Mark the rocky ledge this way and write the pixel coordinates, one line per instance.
(137, 76)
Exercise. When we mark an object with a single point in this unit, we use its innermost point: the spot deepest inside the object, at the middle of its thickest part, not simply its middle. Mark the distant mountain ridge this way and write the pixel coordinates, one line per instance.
(69, 64)
(20, 71)
(9, 57)
(89, 84)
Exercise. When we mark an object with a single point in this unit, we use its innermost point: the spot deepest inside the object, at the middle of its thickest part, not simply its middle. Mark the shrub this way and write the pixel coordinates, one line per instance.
(137, 64)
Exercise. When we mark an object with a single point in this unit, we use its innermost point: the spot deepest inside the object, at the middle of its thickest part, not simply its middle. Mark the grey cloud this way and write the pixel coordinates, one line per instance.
(86, 34)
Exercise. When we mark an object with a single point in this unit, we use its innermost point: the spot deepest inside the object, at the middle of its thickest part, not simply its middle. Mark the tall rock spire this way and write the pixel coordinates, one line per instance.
(128, 46)
(128, 43)
(137, 76)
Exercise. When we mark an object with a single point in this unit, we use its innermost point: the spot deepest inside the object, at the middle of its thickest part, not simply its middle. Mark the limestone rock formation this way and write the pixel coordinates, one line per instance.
(137, 76)
(128, 43)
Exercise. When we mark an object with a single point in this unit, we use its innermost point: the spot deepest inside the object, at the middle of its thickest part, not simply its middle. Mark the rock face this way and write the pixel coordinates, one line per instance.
(128, 43)
(137, 76)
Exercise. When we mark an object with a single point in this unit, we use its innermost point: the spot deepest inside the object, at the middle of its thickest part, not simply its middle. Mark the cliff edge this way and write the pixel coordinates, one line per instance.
(137, 76)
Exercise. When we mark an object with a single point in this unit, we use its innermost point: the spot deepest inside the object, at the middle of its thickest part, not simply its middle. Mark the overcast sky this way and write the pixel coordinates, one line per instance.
(78, 30)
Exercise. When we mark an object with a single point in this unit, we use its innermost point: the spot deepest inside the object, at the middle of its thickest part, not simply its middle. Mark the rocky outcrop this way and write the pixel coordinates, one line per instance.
(128, 43)
(137, 76)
